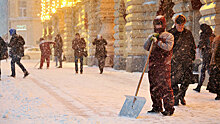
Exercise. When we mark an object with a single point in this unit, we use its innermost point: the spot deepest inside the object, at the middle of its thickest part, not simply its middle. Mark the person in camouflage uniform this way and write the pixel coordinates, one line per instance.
(45, 52)
(214, 79)
(184, 50)
(3, 52)
(160, 68)
(16, 52)
(100, 52)
(78, 45)
(58, 49)
(205, 47)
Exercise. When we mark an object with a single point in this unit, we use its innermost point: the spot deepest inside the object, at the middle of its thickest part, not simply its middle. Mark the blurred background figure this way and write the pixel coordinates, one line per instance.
(100, 51)
(214, 79)
(45, 52)
(58, 50)
(16, 52)
(3, 52)
(78, 45)
(205, 48)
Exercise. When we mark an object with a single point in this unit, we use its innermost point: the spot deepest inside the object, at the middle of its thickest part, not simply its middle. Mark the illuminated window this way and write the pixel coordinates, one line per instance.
(22, 8)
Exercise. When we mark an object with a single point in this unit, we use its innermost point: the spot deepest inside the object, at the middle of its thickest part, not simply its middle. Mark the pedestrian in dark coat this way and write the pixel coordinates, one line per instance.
(78, 45)
(160, 68)
(16, 52)
(184, 50)
(3, 52)
(205, 47)
(58, 49)
(214, 79)
(100, 52)
(45, 52)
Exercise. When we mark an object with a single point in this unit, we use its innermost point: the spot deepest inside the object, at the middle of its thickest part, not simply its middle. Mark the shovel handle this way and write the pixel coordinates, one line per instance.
(145, 67)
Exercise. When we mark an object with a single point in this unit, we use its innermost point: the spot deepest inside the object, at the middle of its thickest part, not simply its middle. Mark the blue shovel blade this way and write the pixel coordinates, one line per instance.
(130, 109)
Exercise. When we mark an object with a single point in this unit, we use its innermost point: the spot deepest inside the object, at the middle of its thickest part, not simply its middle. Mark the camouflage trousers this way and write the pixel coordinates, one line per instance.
(101, 63)
(205, 66)
(214, 80)
(181, 75)
(160, 88)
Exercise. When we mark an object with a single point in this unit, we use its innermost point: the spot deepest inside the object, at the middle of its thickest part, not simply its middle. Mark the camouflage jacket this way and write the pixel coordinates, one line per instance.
(3, 49)
(17, 46)
(100, 48)
(78, 46)
(184, 48)
(215, 60)
(58, 47)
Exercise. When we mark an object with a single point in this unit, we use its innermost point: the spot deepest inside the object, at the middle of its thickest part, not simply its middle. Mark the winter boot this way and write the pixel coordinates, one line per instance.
(101, 71)
(218, 96)
(197, 89)
(12, 76)
(155, 110)
(26, 74)
(168, 113)
(176, 101)
(183, 101)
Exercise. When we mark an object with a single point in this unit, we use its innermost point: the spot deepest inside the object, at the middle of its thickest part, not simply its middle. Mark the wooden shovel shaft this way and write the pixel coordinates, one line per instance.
(145, 67)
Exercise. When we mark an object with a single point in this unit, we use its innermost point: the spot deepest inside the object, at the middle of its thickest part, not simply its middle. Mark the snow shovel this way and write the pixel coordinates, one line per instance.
(36, 64)
(134, 104)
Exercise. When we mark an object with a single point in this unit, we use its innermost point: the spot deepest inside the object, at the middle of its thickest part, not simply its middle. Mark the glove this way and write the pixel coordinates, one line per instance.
(153, 35)
(154, 39)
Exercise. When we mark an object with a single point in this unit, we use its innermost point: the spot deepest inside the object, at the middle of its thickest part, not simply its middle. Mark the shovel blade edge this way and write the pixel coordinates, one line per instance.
(130, 109)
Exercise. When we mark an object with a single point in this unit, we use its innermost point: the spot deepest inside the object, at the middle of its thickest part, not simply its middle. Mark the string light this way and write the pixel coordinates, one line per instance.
(49, 7)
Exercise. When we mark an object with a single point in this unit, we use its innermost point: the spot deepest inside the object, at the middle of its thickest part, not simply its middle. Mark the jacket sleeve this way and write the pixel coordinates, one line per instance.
(105, 42)
(193, 47)
(12, 41)
(73, 44)
(94, 42)
(147, 44)
(61, 42)
(166, 41)
(83, 43)
(1, 43)
(215, 47)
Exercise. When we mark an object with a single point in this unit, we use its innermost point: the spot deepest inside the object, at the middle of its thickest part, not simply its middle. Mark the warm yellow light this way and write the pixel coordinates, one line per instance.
(63, 3)
(49, 7)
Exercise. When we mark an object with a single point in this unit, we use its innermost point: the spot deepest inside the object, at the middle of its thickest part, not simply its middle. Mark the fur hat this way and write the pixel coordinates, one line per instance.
(180, 19)
(159, 20)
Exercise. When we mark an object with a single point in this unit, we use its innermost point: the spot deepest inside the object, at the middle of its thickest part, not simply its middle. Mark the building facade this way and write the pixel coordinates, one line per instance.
(24, 15)
(125, 24)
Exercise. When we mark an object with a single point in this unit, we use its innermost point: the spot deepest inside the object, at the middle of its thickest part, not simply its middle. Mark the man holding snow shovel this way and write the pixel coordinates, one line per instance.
(160, 67)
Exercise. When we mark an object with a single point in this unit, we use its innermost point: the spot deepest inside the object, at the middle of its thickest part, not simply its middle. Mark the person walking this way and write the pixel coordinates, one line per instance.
(100, 52)
(45, 52)
(3, 52)
(160, 67)
(214, 79)
(205, 47)
(58, 50)
(78, 45)
(16, 52)
(184, 50)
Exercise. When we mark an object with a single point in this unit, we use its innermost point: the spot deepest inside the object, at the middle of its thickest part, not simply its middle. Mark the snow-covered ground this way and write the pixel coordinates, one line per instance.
(58, 96)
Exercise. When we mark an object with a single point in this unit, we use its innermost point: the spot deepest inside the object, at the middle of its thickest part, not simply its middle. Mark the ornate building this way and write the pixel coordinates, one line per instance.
(125, 24)
(24, 15)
